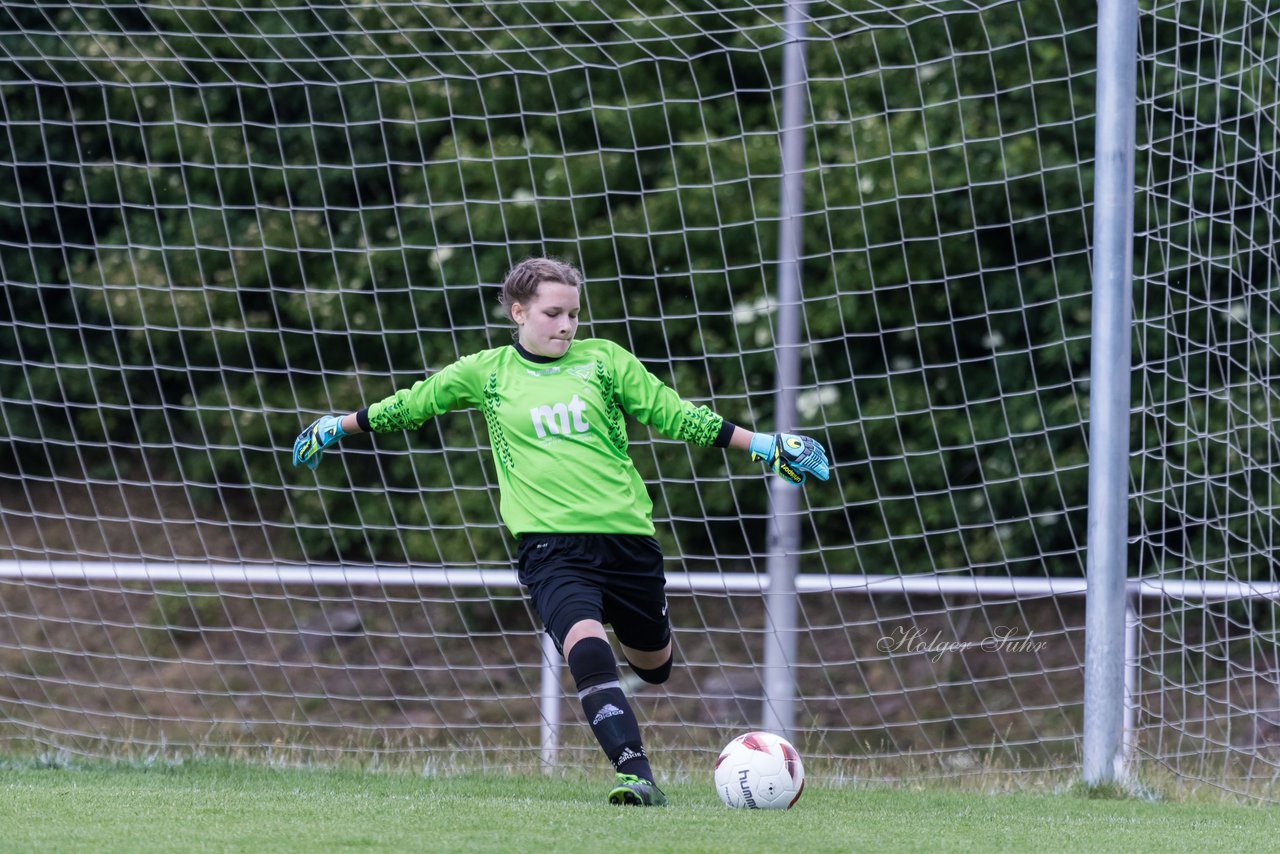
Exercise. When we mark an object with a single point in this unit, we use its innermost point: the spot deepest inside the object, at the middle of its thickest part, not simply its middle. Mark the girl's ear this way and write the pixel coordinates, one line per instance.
(517, 313)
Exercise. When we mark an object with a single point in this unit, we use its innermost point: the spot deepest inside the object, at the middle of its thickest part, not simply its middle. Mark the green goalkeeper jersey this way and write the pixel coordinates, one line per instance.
(558, 431)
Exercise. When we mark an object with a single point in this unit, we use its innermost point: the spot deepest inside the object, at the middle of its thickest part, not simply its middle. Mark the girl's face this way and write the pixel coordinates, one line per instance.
(548, 319)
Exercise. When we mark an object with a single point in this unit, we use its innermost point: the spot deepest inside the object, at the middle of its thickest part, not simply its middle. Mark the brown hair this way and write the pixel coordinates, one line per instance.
(522, 282)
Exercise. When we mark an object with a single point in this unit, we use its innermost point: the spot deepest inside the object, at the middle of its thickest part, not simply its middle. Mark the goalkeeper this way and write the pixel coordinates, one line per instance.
(556, 409)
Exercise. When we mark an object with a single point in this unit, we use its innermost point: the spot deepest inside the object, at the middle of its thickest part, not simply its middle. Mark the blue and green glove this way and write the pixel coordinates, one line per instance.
(791, 457)
(310, 444)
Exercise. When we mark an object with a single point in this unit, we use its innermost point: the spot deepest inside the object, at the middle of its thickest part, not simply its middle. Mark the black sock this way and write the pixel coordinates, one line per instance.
(608, 712)
(616, 729)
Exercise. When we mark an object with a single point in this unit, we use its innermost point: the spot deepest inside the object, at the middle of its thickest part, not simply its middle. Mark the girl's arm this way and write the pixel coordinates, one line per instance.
(790, 456)
(740, 438)
(351, 424)
(449, 388)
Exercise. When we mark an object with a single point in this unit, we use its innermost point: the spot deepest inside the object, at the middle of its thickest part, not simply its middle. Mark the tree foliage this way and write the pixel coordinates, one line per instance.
(233, 220)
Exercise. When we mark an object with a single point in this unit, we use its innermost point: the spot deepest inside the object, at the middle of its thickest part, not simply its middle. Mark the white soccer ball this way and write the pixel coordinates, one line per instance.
(759, 771)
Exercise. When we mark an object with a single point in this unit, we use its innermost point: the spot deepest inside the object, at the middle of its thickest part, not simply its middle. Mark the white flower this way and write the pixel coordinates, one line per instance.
(439, 255)
(747, 312)
(930, 71)
(809, 401)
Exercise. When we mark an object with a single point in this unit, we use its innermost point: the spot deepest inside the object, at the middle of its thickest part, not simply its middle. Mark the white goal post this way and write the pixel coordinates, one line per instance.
(874, 222)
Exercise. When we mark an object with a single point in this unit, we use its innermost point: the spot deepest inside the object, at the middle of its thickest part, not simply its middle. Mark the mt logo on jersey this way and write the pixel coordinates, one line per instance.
(556, 418)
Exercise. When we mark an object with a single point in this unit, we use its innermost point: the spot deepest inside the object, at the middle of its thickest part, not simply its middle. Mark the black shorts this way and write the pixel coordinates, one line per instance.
(611, 578)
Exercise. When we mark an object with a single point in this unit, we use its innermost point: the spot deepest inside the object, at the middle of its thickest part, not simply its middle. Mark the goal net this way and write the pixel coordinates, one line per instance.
(1204, 437)
(221, 221)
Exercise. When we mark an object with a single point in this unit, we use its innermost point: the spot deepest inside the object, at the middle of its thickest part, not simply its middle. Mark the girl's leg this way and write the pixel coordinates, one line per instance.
(595, 672)
(652, 667)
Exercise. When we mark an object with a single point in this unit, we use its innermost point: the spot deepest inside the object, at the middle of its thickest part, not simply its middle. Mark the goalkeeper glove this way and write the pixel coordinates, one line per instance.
(310, 444)
(790, 456)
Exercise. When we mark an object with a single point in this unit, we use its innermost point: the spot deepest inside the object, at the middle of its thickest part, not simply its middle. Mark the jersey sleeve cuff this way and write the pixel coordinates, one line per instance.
(362, 418)
(726, 433)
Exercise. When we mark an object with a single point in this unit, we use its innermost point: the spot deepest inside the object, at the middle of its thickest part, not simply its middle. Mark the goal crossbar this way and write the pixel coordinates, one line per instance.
(192, 572)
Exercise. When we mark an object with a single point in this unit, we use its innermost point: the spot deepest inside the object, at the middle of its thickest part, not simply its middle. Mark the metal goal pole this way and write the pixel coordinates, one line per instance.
(783, 541)
(1107, 560)
(549, 696)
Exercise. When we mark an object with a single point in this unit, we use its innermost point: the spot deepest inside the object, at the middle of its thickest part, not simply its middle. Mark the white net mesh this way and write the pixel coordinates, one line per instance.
(225, 220)
(1205, 442)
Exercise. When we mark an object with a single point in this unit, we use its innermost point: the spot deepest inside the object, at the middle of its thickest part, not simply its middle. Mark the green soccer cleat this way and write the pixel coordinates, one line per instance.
(637, 792)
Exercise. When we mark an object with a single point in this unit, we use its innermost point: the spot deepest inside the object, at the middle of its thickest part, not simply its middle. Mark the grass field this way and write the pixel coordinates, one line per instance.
(220, 807)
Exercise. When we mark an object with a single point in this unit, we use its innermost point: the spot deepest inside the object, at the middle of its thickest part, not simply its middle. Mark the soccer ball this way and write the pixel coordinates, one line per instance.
(759, 771)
